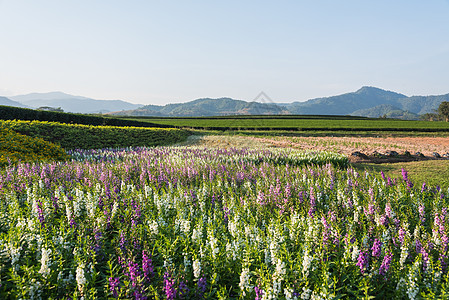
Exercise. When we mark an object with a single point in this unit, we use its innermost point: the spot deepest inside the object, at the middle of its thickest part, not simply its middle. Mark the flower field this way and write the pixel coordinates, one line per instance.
(196, 223)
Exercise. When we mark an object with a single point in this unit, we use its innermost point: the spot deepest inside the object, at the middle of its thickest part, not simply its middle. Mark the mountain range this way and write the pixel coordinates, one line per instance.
(367, 102)
(70, 103)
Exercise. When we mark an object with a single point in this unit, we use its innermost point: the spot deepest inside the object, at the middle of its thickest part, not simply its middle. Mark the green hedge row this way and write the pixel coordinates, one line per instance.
(75, 136)
(17, 113)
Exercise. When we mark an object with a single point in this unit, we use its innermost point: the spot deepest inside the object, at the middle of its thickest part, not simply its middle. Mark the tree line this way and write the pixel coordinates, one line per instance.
(442, 114)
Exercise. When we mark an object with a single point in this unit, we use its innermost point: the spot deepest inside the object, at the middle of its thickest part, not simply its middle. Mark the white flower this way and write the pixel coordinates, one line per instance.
(280, 269)
(306, 263)
(14, 253)
(45, 262)
(355, 253)
(244, 281)
(153, 227)
(80, 279)
(196, 268)
(404, 255)
(288, 292)
(213, 246)
(305, 295)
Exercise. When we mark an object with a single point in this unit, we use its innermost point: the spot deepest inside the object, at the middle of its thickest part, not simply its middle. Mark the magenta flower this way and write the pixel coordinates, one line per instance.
(363, 261)
(377, 248)
(114, 286)
(383, 270)
(169, 287)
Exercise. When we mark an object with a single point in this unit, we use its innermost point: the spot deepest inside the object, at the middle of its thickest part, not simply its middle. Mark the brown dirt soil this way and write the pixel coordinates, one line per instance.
(343, 145)
(368, 145)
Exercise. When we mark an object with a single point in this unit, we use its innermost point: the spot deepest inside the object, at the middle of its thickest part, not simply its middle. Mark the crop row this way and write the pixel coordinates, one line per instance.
(184, 223)
(73, 136)
(304, 124)
(16, 113)
(16, 147)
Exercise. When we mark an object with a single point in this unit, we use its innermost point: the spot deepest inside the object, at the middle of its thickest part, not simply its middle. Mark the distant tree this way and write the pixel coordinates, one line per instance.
(443, 110)
(48, 108)
(434, 116)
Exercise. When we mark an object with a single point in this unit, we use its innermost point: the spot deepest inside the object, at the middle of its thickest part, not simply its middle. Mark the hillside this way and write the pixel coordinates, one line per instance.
(366, 102)
(207, 107)
(345, 104)
(75, 104)
(9, 102)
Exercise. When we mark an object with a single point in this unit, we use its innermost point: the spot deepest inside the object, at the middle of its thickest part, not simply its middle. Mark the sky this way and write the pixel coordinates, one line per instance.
(159, 52)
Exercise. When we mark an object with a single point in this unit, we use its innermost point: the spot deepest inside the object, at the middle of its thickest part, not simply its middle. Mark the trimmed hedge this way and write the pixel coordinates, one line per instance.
(75, 136)
(15, 147)
(17, 113)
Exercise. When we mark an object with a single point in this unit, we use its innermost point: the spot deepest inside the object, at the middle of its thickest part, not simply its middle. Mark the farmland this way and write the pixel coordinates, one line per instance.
(299, 123)
(192, 222)
(221, 216)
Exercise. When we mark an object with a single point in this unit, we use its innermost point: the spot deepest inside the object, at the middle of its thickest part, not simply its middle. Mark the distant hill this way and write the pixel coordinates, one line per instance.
(366, 102)
(364, 98)
(207, 107)
(9, 102)
(385, 110)
(75, 104)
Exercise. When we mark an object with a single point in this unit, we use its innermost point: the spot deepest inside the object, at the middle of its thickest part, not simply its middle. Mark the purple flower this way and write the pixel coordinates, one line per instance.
(123, 242)
(425, 259)
(312, 203)
(114, 286)
(418, 246)
(259, 293)
(169, 287)
(147, 266)
(383, 270)
(183, 290)
(363, 261)
(401, 235)
(422, 213)
(134, 273)
(201, 287)
(40, 213)
(377, 248)
(404, 174)
(72, 223)
(424, 187)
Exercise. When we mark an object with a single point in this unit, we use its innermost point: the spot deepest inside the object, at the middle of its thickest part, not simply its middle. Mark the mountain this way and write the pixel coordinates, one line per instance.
(75, 104)
(385, 110)
(367, 102)
(9, 102)
(207, 107)
(422, 104)
(366, 97)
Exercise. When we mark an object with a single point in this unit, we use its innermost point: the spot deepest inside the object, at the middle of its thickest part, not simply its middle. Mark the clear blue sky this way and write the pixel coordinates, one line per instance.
(156, 52)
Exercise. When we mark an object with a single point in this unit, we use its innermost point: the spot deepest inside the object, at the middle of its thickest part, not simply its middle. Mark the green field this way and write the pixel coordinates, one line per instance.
(300, 123)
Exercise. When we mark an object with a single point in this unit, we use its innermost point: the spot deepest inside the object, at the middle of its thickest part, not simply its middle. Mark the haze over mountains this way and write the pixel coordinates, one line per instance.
(367, 101)
(70, 103)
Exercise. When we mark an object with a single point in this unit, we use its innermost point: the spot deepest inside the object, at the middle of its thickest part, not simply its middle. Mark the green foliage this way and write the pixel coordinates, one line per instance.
(15, 147)
(16, 113)
(72, 136)
(443, 109)
(300, 123)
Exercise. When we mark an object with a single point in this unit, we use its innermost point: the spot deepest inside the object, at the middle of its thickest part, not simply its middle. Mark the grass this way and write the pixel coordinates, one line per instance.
(330, 124)
(432, 172)
(321, 133)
